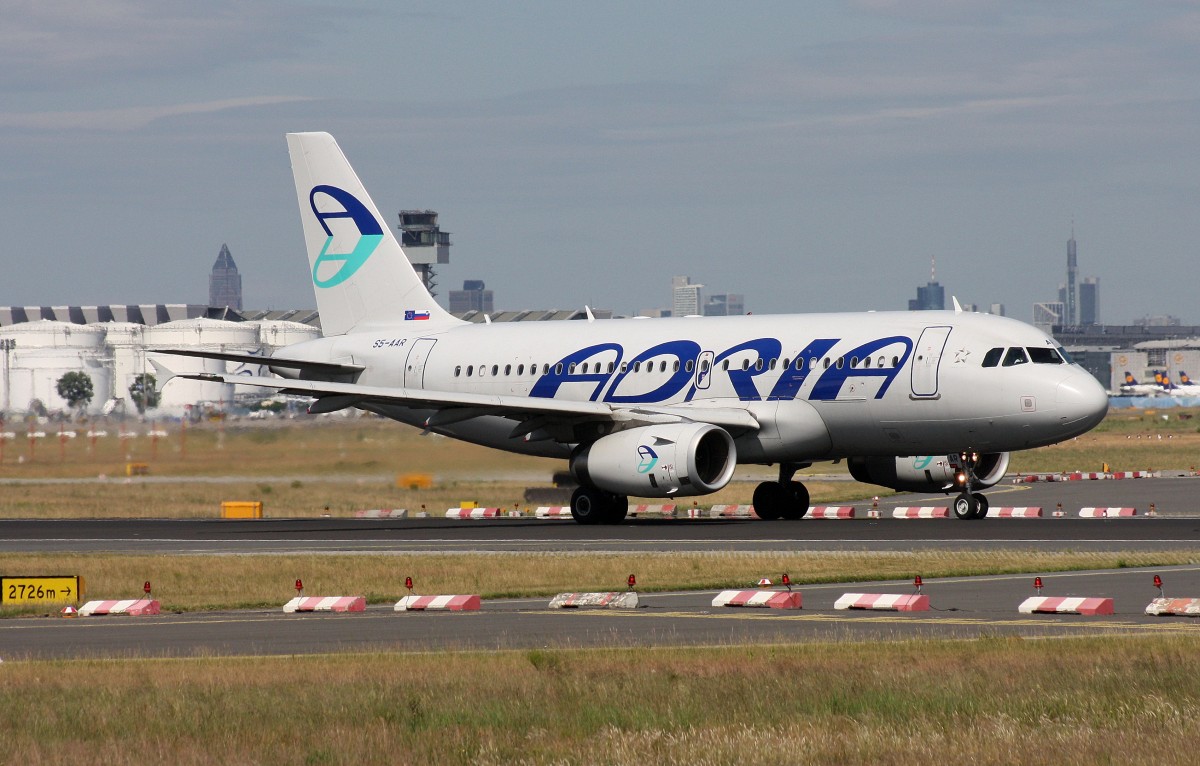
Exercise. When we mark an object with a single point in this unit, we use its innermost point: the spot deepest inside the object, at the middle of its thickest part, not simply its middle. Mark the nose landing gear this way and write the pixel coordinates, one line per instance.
(968, 504)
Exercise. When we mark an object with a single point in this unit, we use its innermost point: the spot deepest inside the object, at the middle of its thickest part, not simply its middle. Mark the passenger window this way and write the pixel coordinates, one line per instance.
(895, 361)
(624, 367)
(867, 362)
(495, 370)
(508, 369)
(1015, 356)
(758, 364)
(558, 369)
(520, 369)
(611, 366)
(840, 361)
(992, 357)
(745, 364)
(826, 363)
(725, 365)
(675, 366)
(470, 370)
(571, 369)
(546, 369)
(1043, 355)
(662, 366)
(689, 366)
(704, 366)
(880, 362)
(772, 364)
(637, 366)
(458, 371)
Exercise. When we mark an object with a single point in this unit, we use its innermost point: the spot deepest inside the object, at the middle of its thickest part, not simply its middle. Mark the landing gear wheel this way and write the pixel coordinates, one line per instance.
(618, 507)
(982, 501)
(771, 500)
(797, 504)
(966, 506)
(590, 505)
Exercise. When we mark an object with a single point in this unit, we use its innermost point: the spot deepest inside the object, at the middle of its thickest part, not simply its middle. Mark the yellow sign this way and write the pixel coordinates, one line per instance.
(41, 590)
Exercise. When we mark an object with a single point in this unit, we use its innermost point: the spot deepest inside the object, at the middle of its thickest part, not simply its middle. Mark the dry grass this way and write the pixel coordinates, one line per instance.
(204, 582)
(1075, 701)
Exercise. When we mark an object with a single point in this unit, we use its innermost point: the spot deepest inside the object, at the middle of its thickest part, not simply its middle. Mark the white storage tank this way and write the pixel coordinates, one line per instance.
(37, 354)
(127, 347)
(201, 335)
(275, 334)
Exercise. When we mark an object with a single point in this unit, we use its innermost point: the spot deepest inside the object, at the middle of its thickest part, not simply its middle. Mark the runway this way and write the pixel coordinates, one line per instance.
(961, 608)
(969, 607)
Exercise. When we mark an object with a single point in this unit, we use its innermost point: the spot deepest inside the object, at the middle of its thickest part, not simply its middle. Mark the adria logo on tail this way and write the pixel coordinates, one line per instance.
(370, 233)
(649, 459)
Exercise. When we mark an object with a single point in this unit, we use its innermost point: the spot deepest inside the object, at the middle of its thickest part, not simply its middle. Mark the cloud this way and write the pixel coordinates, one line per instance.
(130, 118)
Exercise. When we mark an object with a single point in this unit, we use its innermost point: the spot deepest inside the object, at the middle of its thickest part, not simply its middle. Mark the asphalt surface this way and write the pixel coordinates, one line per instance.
(962, 607)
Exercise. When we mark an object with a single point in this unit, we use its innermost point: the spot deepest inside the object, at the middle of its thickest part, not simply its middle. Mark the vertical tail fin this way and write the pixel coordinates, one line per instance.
(359, 272)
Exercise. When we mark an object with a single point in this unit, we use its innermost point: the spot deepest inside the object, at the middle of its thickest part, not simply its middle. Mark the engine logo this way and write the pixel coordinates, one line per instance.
(649, 459)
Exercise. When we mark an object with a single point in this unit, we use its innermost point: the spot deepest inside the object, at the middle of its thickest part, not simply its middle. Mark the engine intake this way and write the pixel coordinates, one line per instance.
(927, 473)
(672, 460)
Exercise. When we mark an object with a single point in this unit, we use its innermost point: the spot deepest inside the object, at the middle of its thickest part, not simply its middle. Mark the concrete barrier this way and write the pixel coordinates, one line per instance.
(769, 599)
(892, 602)
(655, 510)
(433, 603)
(615, 600)
(1020, 512)
(135, 607)
(553, 512)
(326, 604)
(472, 513)
(1086, 476)
(1106, 513)
(921, 512)
(830, 512)
(1180, 607)
(1132, 474)
(395, 513)
(1036, 477)
(1065, 605)
(733, 512)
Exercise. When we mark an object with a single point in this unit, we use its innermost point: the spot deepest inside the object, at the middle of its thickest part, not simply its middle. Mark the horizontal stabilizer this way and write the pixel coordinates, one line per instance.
(318, 368)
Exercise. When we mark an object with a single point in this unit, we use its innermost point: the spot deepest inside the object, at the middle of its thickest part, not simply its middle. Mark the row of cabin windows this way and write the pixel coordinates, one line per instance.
(599, 367)
(1017, 355)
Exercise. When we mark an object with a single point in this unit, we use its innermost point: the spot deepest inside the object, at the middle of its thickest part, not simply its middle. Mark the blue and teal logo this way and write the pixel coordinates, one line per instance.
(370, 233)
(649, 459)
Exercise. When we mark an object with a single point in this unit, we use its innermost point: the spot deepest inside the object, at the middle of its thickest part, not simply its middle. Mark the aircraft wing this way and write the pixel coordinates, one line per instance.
(453, 406)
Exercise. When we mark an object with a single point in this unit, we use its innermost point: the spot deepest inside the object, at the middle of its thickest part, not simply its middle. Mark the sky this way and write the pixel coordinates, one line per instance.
(813, 156)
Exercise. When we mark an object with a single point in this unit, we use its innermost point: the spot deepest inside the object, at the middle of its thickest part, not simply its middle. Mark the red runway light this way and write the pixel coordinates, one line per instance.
(1157, 582)
(786, 580)
(299, 585)
(1037, 583)
(632, 581)
(408, 583)
(146, 588)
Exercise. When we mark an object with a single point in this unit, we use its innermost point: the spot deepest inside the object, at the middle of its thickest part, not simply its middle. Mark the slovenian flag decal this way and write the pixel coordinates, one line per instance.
(410, 315)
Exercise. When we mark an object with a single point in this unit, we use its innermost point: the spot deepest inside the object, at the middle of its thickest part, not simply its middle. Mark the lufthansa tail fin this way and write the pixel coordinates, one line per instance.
(359, 272)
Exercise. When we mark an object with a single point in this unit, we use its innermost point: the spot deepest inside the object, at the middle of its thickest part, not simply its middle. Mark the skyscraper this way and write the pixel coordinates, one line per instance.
(1071, 307)
(685, 297)
(1089, 301)
(931, 297)
(225, 284)
(474, 296)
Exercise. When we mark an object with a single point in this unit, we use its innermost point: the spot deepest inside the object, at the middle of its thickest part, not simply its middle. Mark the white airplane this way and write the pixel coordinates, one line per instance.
(666, 408)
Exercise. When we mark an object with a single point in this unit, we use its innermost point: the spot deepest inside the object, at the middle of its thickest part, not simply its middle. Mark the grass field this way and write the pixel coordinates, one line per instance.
(991, 701)
(200, 582)
(336, 466)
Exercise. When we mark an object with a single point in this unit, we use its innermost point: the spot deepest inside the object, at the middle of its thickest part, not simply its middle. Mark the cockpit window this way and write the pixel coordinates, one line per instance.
(1044, 355)
(992, 357)
(1066, 357)
(1015, 356)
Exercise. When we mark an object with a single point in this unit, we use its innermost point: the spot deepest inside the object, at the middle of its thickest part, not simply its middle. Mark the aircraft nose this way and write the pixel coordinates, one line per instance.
(1082, 402)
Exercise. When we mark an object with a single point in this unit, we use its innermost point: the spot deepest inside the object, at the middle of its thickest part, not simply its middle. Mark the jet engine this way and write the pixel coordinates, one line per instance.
(670, 460)
(931, 473)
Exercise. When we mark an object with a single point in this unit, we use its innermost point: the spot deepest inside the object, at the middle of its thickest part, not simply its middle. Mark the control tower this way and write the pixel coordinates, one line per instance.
(425, 244)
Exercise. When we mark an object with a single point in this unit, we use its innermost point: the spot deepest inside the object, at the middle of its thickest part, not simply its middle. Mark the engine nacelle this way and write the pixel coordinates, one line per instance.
(928, 473)
(670, 460)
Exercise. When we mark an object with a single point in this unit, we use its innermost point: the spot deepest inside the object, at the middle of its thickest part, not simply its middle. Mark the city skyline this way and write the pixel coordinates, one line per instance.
(809, 156)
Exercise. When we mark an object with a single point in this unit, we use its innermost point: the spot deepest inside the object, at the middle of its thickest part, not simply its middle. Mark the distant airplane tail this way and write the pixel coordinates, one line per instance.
(1129, 379)
(359, 272)
(1184, 380)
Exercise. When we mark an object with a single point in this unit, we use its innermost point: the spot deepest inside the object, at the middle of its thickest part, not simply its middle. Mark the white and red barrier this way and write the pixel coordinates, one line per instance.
(769, 599)
(432, 603)
(1133, 474)
(1036, 477)
(326, 604)
(1019, 512)
(921, 512)
(472, 513)
(1065, 605)
(614, 600)
(395, 513)
(1180, 607)
(734, 511)
(892, 602)
(135, 607)
(553, 512)
(830, 512)
(657, 510)
(1106, 513)
(1086, 476)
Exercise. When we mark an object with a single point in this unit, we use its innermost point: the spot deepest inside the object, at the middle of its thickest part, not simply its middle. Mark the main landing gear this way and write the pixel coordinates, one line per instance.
(591, 505)
(783, 499)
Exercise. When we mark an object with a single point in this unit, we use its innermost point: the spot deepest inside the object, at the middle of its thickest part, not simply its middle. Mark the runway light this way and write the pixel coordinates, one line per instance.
(786, 580)
(1037, 583)
(764, 583)
(146, 588)
(408, 584)
(632, 581)
(1158, 584)
(917, 583)
(299, 586)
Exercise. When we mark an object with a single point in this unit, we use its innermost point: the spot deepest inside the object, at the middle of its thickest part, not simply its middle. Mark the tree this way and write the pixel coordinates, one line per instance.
(76, 388)
(144, 392)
